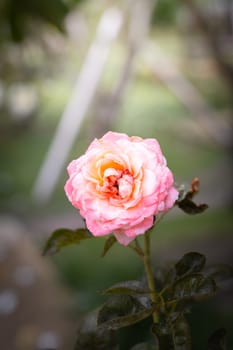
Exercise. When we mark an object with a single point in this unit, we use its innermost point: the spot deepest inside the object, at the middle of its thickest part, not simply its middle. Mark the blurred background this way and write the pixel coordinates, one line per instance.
(70, 70)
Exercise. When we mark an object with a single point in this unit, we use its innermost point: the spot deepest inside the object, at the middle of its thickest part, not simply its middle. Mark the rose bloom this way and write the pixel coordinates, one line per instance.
(120, 184)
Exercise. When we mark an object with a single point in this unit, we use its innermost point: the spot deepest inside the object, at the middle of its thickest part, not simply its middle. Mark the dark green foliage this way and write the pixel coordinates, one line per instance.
(191, 262)
(185, 283)
(171, 336)
(184, 286)
(16, 15)
(185, 201)
(189, 207)
(127, 288)
(187, 280)
(187, 286)
(123, 311)
(194, 286)
(217, 340)
(178, 288)
(64, 237)
(91, 337)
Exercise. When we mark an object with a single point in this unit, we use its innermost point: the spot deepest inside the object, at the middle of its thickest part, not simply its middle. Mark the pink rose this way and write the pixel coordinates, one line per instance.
(119, 184)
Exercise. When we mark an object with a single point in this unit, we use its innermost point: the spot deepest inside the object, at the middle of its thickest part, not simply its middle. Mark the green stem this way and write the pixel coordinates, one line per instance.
(149, 274)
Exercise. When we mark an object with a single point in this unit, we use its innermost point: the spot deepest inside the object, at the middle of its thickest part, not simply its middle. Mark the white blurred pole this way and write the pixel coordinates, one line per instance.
(140, 13)
(75, 111)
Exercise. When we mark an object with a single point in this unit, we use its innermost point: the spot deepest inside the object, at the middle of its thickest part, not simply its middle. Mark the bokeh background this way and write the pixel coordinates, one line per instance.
(70, 71)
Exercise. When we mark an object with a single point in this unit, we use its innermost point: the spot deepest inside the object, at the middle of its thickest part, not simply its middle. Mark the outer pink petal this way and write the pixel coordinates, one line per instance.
(123, 239)
(171, 198)
(68, 189)
(154, 147)
(140, 228)
(126, 236)
(97, 228)
(114, 136)
(72, 166)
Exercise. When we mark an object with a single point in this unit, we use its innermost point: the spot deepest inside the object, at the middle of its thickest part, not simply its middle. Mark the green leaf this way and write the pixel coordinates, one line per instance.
(162, 334)
(175, 309)
(122, 311)
(162, 328)
(184, 305)
(127, 288)
(53, 12)
(128, 320)
(164, 276)
(189, 207)
(64, 237)
(189, 263)
(181, 335)
(217, 340)
(172, 336)
(115, 307)
(90, 337)
(108, 245)
(194, 286)
(185, 201)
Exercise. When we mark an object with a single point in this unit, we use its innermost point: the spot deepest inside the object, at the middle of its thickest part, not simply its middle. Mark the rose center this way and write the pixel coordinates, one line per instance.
(118, 183)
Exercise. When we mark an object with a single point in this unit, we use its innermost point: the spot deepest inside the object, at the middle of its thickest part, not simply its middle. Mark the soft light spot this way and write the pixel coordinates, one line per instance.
(3, 253)
(48, 340)
(8, 301)
(24, 276)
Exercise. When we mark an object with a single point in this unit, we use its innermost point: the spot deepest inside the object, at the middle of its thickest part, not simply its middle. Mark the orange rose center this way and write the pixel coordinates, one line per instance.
(117, 183)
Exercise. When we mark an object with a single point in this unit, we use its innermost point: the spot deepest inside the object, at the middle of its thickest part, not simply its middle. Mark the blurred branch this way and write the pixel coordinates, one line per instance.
(212, 36)
(213, 128)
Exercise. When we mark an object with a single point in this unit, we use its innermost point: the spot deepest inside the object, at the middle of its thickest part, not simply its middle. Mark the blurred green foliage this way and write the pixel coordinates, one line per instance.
(165, 12)
(15, 16)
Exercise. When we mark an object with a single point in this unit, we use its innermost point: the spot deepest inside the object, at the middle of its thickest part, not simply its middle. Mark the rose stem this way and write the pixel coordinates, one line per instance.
(149, 273)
